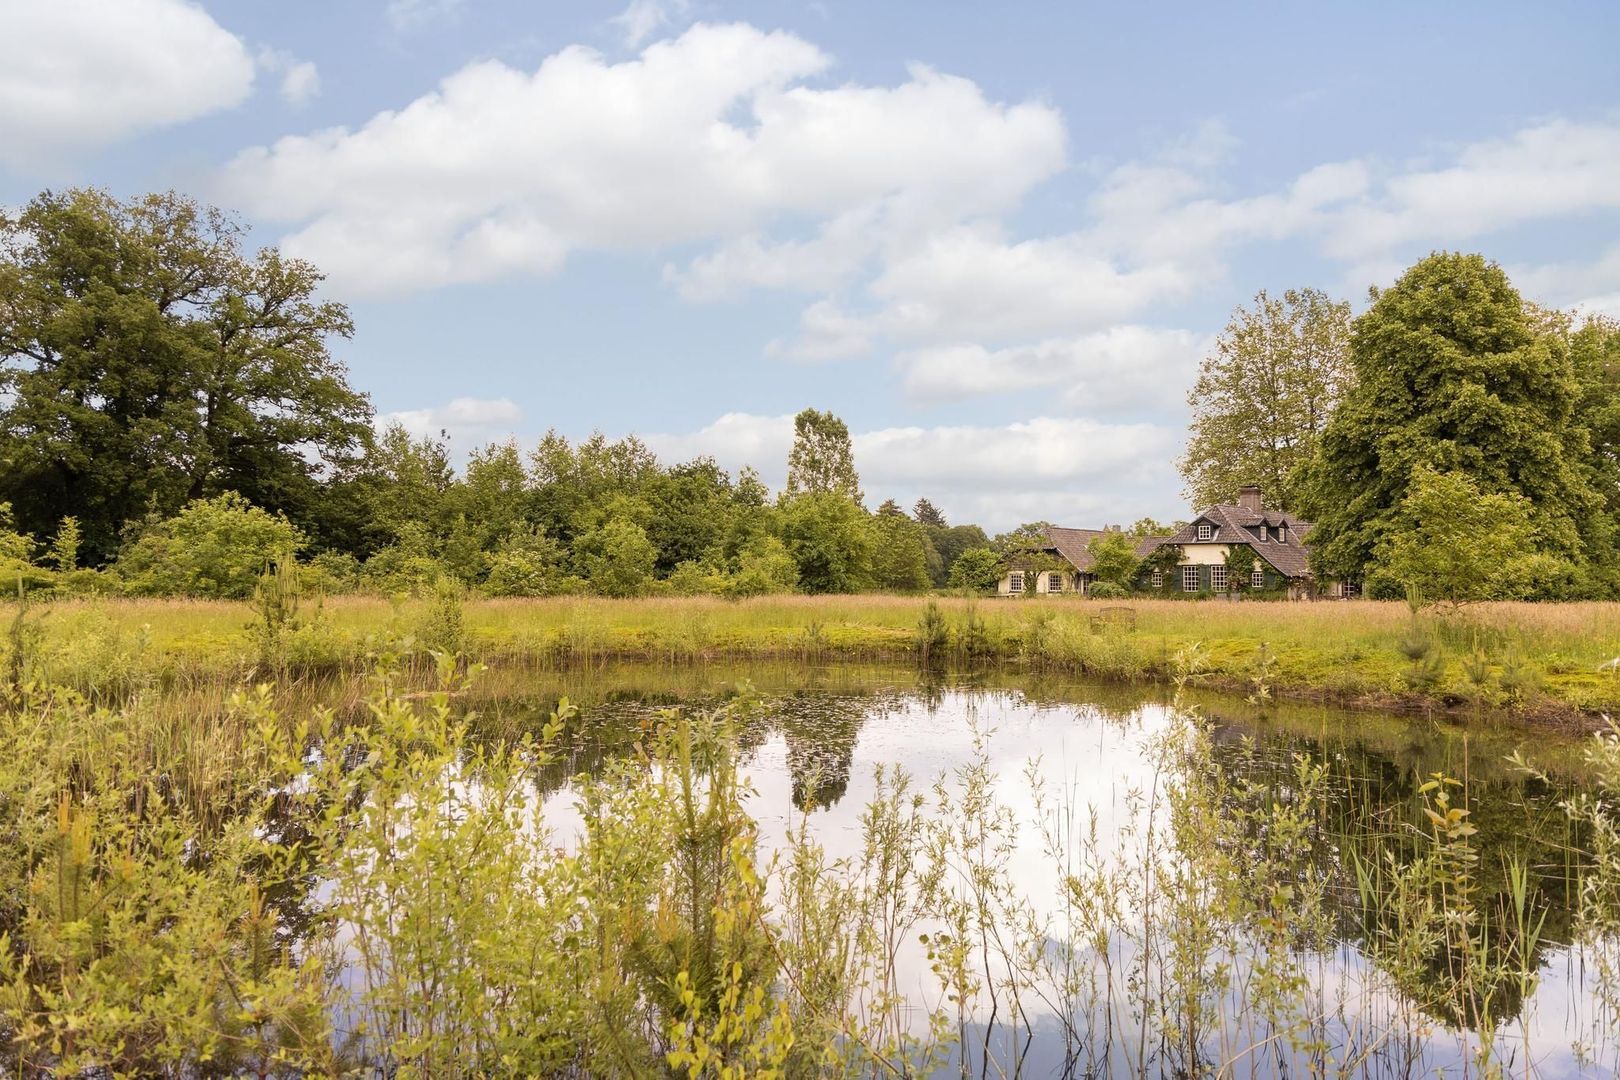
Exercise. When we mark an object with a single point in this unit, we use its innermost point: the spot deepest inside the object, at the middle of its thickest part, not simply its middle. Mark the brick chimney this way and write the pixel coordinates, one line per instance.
(1249, 498)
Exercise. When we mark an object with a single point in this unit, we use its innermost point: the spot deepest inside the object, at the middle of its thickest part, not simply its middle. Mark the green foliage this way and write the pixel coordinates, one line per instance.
(1240, 561)
(899, 552)
(65, 547)
(764, 565)
(616, 558)
(1114, 560)
(1107, 590)
(1264, 395)
(1450, 541)
(527, 563)
(977, 569)
(213, 548)
(1455, 374)
(148, 359)
(828, 537)
(822, 461)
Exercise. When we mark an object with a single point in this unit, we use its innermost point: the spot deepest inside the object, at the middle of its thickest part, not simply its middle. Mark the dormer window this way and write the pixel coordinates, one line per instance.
(1265, 532)
(1282, 534)
(1206, 531)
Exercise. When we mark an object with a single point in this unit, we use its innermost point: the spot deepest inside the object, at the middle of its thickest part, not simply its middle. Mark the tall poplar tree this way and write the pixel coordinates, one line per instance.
(1264, 395)
(822, 460)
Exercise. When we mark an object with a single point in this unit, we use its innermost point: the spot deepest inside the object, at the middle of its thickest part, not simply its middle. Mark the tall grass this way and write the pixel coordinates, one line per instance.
(1544, 660)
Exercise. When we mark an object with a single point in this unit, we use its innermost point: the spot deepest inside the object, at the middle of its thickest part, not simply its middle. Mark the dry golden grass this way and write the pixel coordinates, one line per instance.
(1348, 650)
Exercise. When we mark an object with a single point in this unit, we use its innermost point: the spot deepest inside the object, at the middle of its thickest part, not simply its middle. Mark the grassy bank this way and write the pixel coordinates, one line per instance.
(1542, 661)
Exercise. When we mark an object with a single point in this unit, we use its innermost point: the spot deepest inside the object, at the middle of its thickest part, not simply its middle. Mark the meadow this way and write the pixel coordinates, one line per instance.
(1546, 663)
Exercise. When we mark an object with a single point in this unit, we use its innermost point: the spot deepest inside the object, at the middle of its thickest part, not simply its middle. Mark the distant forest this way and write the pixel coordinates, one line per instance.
(172, 421)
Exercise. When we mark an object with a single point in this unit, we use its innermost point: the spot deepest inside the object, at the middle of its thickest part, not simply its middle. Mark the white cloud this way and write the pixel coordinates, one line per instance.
(710, 136)
(470, 422)
(644, 18)
(78, 74)
(1589, 288)
(406, 16)
(1118, 368)
(1553, 169)
(1074, 471)
(300, 79)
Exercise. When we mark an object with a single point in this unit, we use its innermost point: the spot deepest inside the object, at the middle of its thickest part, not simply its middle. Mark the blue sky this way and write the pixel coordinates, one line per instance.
(995, 238)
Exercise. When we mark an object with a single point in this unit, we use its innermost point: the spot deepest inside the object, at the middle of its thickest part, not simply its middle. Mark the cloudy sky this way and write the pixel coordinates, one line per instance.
(995, 238)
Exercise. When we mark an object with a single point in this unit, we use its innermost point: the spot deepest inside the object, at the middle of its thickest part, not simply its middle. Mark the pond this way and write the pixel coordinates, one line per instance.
(1126, 885)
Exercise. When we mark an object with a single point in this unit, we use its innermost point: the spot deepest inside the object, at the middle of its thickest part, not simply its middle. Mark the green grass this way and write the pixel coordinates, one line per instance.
(1343, 652)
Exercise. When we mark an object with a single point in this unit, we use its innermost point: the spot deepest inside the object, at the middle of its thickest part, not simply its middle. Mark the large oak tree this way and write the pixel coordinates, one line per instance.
(147, 358)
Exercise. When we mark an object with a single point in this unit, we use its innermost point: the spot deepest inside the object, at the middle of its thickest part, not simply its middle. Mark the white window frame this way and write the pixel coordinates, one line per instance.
(1282, 534)
(1217, 579)
(1265, 533)
(1158, 579)
(1054, 582)
(1015, 581)
(1257, 580)
(1189, 579)
(1206, 531)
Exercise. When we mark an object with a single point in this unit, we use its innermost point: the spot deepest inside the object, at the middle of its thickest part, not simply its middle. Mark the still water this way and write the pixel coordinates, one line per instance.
(1082, 776)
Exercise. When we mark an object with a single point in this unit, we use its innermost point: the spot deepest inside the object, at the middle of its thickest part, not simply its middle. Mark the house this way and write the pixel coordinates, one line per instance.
(1278, 539)
(1062, 565)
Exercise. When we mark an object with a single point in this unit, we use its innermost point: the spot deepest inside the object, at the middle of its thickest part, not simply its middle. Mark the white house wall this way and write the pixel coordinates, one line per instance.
(1204, 554)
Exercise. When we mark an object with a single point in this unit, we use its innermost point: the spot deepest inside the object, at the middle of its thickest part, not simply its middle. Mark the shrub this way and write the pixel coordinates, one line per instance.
(213, 548)
(764, 565)
(330, 573)
(617, 558)
(1106, 590)
(527, 563)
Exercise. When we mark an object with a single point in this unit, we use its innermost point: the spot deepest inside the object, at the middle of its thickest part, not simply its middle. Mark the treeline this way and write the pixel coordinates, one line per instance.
(1454, 440)
(171, 420)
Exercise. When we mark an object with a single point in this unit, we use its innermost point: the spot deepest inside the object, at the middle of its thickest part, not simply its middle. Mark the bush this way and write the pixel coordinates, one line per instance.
(764, 565)
(1106, 590)
(330, 573)
(617, 558)
(527, 563)
(213, 548)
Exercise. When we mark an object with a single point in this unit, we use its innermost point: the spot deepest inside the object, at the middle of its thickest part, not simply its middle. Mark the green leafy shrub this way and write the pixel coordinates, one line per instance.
(617, 558)
(977, 568)
(1106, 590)
(213, 548)
(528, 563)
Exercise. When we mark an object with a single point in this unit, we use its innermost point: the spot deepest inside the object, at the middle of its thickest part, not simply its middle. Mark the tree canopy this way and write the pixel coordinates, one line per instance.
(1453, 372)
(822, 460)
(147, 359)
(1264, 395)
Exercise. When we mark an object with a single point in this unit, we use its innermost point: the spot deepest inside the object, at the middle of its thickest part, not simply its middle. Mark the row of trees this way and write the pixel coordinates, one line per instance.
(1453, 438)
(170, 412)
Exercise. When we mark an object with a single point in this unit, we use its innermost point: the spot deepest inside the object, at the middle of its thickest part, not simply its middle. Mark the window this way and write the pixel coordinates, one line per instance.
(1158, 579)
(1189, 579)
(1257, 580)
(1205, 531)
(1015, 581)
(1265, 532)
(1217, 578)
(1282, 534)
(1054, 582)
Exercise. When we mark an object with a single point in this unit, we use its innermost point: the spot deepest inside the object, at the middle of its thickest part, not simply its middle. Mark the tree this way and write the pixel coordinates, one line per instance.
(1452, 541)
(928, 514)
(1264, 396)
(899, 553)
(828, 537)
(977, 568)
(147, 360)
(822, 460)
(1114, 559)
(1454, 373)
(950, 542)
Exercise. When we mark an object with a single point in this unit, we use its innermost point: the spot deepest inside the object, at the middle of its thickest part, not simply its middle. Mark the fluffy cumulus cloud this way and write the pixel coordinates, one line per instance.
(1121, 368)
(470, 422)
(1074, 469)
(78, 74)
(710, 136)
